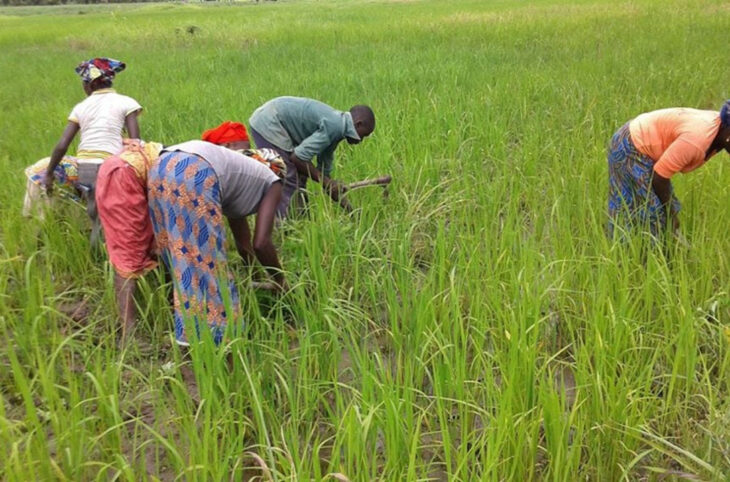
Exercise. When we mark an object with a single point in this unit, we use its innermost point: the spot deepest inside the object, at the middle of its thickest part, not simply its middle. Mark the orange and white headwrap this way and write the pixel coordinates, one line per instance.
(269, 157)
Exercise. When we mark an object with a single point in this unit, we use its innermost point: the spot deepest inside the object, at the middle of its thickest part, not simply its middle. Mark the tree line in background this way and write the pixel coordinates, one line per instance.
(65, 2)
(90, 2)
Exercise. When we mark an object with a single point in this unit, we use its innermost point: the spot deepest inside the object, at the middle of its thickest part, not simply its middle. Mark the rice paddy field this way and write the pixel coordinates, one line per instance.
(475, 324)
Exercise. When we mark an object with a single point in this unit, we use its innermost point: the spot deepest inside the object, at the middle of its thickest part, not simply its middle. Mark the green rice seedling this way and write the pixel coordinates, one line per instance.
(476, 324)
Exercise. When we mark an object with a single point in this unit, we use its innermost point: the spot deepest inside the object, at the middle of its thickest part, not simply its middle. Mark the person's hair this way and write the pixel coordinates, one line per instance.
(365, 114)
(725, 114)
(100, 83)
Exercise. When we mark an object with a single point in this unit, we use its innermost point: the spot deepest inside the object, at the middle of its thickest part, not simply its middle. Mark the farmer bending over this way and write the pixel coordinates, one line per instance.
(300, 129)
(647, 151)
(192, 187)
(101, 117)
(121, 197)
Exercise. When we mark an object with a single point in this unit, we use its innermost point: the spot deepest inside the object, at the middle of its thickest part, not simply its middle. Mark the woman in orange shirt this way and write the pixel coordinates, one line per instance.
(647, 151)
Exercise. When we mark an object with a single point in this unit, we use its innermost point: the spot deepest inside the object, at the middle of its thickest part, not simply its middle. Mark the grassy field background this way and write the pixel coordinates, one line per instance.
(476, 324)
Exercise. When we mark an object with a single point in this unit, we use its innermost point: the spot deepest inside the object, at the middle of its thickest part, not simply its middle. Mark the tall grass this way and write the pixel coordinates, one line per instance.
(475, 324)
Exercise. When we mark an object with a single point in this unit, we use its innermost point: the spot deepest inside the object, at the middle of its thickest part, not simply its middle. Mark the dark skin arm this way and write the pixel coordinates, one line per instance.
(58, 152)
(67, 137)
(333, 188)
(132, 125)
(663, 189)
(721, 141)
(306, 168)
(242, 235)
(263, 247)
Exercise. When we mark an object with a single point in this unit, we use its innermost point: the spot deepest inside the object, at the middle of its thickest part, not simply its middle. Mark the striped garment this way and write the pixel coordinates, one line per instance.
(632, 202)
(185, 206)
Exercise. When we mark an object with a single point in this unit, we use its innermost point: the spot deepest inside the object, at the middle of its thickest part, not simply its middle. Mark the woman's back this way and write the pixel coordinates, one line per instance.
(101, 119)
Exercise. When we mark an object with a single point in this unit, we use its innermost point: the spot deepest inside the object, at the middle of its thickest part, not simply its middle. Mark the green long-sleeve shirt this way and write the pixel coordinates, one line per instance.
(306, 127)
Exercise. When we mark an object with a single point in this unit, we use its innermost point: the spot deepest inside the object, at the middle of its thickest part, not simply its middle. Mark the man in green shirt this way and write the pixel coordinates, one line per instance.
(300, 129)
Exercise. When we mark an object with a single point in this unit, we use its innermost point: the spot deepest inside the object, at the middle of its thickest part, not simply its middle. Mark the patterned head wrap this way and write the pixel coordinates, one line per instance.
(100, 67)
(270, 157)
(725, 114)
(226, 132)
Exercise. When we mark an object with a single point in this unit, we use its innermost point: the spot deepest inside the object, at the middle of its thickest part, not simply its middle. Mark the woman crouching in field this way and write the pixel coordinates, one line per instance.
(647, 151)
(191, 187)
(101, 117)
(121, 198)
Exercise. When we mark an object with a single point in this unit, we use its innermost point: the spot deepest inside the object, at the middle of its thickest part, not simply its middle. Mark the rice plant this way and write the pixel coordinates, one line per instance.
(475, 324)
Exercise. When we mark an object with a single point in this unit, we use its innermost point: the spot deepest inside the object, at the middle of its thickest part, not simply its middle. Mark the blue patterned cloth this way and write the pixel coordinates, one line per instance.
(187, 218)
(66, 175)
(632, 202)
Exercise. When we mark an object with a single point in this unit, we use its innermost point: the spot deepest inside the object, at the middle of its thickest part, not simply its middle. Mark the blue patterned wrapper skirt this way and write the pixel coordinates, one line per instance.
(632, 202)
(187, 219)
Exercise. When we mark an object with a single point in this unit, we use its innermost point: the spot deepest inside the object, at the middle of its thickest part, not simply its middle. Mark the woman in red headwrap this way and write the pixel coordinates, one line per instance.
(233, 135)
